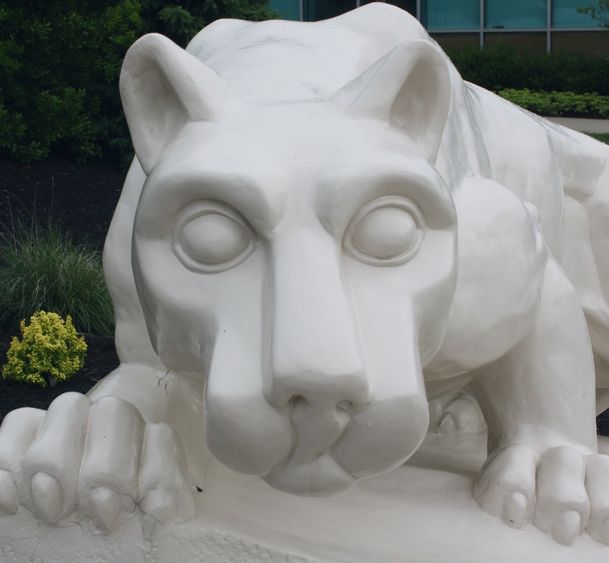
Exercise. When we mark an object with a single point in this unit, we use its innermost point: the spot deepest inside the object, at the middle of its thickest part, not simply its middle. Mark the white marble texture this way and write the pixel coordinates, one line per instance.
(416, 514)
(323, 229)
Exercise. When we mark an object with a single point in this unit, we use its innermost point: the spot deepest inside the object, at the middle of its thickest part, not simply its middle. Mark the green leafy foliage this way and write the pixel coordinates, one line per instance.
(599, 11)
(602, 137)
(60, 63)
(499, 67)
(568, 104)
(41, 269)
(180, 20)
(49, 350)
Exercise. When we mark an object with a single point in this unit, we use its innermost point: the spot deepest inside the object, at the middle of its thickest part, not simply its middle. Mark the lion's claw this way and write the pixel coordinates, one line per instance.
(47, 497)
(561, 491)
(99, 457)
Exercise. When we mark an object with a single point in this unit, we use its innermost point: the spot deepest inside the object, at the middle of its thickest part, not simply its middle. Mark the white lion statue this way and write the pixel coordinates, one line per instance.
(324, 227)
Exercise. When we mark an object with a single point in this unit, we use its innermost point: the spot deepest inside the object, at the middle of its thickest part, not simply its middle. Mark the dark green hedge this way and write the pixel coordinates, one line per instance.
(59, 65)
(568, 104)
(499, 67)
(60, 61)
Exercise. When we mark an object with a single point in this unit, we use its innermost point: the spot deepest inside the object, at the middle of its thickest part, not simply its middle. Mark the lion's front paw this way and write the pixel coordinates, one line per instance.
(561, 491)
(101, 457)
(455, 412)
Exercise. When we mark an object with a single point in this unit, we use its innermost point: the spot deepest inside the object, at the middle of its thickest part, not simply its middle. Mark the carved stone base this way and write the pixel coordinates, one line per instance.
(416, 513)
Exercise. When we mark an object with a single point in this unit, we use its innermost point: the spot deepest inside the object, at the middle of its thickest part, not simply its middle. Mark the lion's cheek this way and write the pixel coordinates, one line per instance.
(383, 435)
(246, 434)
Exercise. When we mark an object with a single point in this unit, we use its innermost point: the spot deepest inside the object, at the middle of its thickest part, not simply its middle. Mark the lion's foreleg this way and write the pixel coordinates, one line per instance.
(539, 403)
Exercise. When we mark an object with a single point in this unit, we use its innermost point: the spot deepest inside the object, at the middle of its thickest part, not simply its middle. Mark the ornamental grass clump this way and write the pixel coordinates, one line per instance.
(41, 269)
(49, 350)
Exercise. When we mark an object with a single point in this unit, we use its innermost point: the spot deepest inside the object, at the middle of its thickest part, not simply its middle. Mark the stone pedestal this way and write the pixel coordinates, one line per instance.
(418, 513)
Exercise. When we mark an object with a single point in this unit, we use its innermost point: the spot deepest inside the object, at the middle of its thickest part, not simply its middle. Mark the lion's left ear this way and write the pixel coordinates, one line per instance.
(409, 88)
(162, 88)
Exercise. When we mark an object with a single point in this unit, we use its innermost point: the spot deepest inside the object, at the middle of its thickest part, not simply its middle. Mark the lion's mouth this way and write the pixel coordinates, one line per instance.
(315, 446)
(310, 469)
(336, 446)
(319, 477)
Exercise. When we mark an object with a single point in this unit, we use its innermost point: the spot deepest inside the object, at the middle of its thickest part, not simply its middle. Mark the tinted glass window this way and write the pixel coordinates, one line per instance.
(323, 9)
(516, 14)
(287, 9)
(565, 14)
(450, 14)
(408, 5)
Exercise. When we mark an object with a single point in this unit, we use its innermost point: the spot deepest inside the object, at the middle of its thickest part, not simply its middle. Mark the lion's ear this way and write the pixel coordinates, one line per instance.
(162, 88)
(409, 88)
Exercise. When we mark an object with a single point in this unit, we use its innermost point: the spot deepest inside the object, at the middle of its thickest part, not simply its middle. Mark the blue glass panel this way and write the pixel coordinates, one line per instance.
(323, 9)
(516, 14)
(287, 9)
(565, 14)
(408, 5)
(451, 14)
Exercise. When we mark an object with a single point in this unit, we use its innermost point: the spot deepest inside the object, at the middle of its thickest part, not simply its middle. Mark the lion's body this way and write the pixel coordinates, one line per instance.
(264, 301)
(567, 182)
(323, 226)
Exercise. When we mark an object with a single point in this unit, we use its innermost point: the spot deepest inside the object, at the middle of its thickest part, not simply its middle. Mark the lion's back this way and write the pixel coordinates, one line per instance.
(284, 61)
(564, 175)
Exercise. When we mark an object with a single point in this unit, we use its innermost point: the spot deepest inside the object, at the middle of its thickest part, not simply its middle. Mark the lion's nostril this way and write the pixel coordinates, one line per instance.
(345, 406)
(300, 403)
(297, 401)
(318, 422)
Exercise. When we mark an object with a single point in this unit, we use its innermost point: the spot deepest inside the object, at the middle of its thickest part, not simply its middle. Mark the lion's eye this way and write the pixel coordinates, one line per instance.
(212, 239)
(385, 232)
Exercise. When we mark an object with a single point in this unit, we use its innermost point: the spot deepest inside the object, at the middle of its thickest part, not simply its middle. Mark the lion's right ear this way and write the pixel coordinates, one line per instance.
(409, 88)
(162, 88)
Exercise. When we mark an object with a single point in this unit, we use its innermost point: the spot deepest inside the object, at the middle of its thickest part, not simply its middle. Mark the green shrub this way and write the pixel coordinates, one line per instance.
(568, 104)
(499, 66)
(60, 63)
(49, 350)
(40, 268)
(181, 20)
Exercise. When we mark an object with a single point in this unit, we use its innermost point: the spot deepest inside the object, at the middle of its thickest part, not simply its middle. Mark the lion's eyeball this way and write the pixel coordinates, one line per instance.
(213, 240)
(385, 232)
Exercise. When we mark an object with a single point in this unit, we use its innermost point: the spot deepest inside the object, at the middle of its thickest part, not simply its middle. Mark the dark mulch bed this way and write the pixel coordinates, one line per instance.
(101, 359)
(80, 198)
(602, 424)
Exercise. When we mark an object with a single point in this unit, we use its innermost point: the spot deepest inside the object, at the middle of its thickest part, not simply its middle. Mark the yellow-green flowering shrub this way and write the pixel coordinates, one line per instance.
(49, 350)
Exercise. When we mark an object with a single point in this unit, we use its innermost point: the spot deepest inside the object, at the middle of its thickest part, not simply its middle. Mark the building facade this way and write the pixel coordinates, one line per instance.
(534, 25)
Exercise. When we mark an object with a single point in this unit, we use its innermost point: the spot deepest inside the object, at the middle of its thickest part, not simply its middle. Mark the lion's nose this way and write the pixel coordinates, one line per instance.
(315, 350)
(321, 390)
(317, 427)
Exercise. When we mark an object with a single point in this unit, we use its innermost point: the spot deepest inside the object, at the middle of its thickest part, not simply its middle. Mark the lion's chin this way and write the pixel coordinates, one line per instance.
(320, 477)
